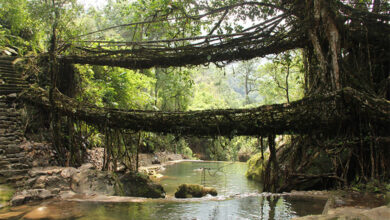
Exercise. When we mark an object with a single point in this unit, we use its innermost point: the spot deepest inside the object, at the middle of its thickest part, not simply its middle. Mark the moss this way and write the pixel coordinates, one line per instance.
(6, 194)
(256, 167)
(194, 190)
(137, 184)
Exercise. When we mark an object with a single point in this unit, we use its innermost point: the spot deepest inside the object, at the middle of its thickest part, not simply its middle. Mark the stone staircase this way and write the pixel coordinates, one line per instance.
(12, 166)
(10, 81)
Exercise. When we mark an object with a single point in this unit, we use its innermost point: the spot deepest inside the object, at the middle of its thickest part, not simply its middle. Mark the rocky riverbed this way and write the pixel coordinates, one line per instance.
(44, 181)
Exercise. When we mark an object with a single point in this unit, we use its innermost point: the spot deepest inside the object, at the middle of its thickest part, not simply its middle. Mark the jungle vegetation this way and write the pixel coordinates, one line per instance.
(321, 68)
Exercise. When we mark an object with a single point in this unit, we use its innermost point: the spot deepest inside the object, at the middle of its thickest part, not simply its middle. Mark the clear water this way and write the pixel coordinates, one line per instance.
(227, 177)
(238, 198)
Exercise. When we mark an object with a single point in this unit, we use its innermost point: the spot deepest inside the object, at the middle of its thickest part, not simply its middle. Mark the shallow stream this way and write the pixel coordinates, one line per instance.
(238, 198)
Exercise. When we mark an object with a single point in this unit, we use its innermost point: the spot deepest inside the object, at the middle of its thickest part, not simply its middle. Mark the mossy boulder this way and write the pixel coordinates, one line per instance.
(88, 180)
(139, 185)
(256, 166)
(194, 190)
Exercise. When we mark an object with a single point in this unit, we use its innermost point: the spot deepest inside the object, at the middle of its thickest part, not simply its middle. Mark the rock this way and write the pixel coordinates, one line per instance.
(87, 166)
(66, 194)
(379, 213)
(382, 212)
(18, 200)
(95, 157)
(31, 195)
(91, 181)
(12, 95)
(244, 157)
(139, 185)
(39, 154)
(156, 161)
(256, 167)
(11, 215)
(194, 190)
(68, 172)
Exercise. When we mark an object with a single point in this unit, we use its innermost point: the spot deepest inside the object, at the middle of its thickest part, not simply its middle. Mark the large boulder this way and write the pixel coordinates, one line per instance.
(88, 180)
(31, 195)
(139, 185)
(194, 190)
(256, 167)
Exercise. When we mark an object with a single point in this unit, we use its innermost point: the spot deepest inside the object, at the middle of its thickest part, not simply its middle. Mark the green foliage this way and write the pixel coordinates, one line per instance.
(115, 87)
(173, 89)
(18, 30)
(372, 186)
(212, 90)
(27, 25)
(274, 81)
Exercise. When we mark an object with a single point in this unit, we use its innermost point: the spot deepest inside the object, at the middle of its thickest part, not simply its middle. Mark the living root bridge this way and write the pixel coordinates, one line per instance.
(326, 113)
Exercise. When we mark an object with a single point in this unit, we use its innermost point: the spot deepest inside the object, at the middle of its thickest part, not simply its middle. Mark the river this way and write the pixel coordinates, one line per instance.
(238, 198)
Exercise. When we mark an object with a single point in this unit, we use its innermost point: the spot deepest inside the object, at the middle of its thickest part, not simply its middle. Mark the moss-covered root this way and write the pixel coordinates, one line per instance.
(194, 190)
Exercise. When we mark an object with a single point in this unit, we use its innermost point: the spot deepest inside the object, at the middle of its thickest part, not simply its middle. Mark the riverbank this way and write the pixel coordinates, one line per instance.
(45, 182)
(332, 204)
(346, 204)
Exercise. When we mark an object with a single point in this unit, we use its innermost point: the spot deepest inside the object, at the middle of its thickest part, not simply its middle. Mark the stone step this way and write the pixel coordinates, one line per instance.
(17, 81)
(14, 77)
(10, 126)
(10, 141)
(9, 107)
(13, 172)
(8, 122)
(7, 66)
(3, 180)
(5, 119)
(9, 74)
(8, 69)
(3, 104)
(4, 133)
(10, 91)
(8, 58)
(6, 63)
(16, 179)
(14, 160)
(16, 155)
(15, 166)
(4, 162)
(11, 149)
(10, 114)
(12, 86)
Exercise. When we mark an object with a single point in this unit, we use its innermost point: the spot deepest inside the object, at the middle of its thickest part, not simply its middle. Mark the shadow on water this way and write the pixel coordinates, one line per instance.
(238, 198)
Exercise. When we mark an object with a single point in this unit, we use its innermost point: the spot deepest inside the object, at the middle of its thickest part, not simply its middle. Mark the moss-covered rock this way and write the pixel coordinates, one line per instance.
(256, 166)
(139, 185)
(193, 190)
(6, 194)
